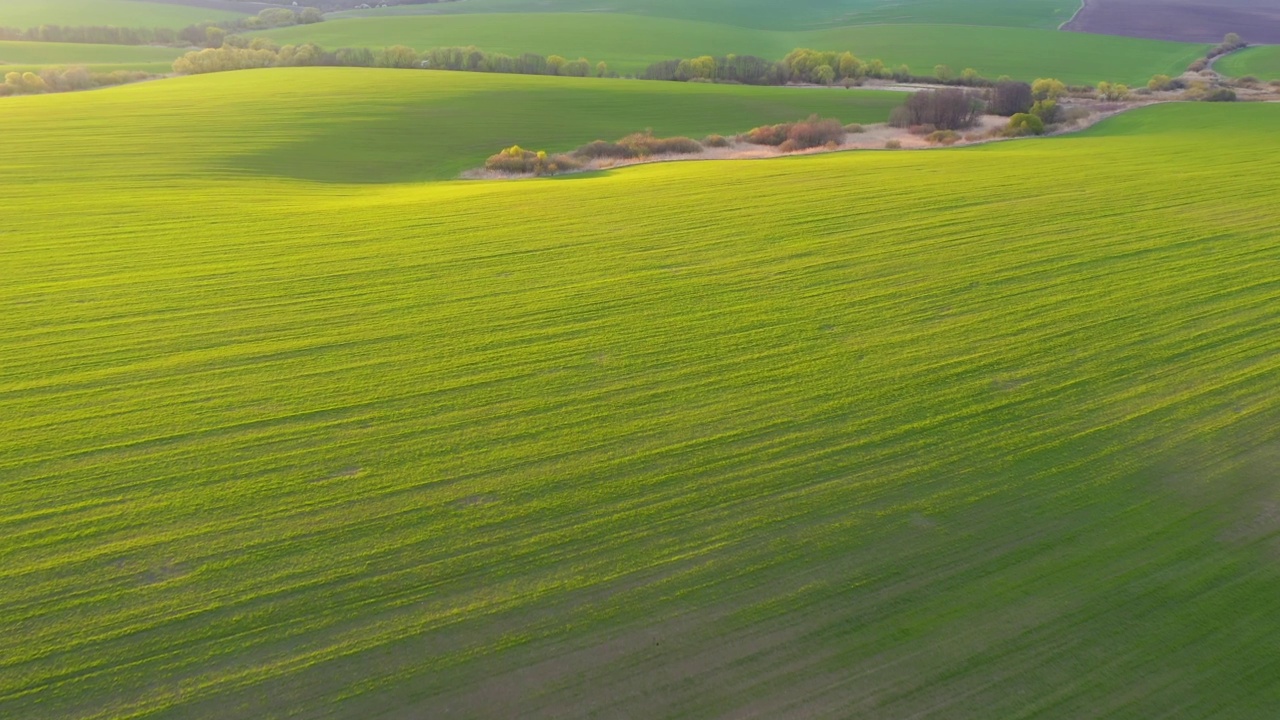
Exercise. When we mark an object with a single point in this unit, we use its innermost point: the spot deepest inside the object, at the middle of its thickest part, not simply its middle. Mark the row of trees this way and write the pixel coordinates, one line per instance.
(240, 53)
(51, 80)
(206, 34)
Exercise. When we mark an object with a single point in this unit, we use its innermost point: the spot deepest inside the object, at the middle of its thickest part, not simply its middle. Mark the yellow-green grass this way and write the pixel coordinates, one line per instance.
(631, 43)
(366, 125)
(774, 15)
(1262, 62)
(18, 55)
(948, 434)
(121, 13)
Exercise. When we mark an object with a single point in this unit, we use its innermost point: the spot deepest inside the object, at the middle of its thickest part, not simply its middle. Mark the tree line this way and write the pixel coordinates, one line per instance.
(240, 53)
(204, 34)
(802, 65)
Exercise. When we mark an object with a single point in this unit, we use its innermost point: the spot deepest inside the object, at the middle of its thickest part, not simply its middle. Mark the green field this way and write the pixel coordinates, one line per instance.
(1262, 62)
(964, 434)
(96, 57)
(121, 13)
(803, 14)
(629, 44)
(368, 126)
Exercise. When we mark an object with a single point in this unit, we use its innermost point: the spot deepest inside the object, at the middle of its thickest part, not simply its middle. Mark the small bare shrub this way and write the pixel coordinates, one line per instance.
(602, 149)
(518, 161)
(767, 135)
(893, 145)
(943, 137)
(924, 129)
(644, 144)
(854, 129)
(715, 141)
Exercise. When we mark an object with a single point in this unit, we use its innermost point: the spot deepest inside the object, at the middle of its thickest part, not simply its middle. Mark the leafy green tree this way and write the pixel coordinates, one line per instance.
(1026, 122)
(943, 73)
(823, 75)
(849, 66)
(555, 64)
(1048, 89)
(1160, 82)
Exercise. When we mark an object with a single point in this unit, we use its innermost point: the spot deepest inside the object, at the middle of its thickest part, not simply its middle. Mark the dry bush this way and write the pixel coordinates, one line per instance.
(943, 137)
(518, 161)
(854, 128)
(973, 137)
(809, 133)
(815, 132)
(767, 135)
(893, 145)
(1074, 114)
(602, 149)
(644, 144)
(922, 130)
(715, 141)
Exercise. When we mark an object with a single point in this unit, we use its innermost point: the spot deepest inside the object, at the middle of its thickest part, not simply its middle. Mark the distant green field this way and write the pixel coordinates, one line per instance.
(1262, 62)
(770, 14)
(118, 57)
(963, 434)
(121, 13)
(629, 44)
(408, 125)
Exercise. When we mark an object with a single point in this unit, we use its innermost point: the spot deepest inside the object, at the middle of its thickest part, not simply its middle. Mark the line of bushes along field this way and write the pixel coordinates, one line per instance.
(787, 137)
(205, 34)
(241, 53)
(58, 79)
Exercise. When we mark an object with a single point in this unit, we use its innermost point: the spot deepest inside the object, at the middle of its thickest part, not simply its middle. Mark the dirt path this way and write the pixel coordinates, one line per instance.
(873, 137)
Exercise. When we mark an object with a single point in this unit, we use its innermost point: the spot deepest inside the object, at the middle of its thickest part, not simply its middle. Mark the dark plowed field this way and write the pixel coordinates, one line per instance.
(1257, 21)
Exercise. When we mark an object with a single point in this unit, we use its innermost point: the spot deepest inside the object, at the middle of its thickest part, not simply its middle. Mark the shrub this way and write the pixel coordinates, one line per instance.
(1160, 82)
(767, 135)
(715, 141)
(815, 131)
(644, 144)
(1046, 110)
(602, 149)
(943, 137)
(1113, 91)
(518, 161)
(1220, 95)
(854, 128)
(1026, 122)
(893, 145)
(922, 129)
(1074, 115)
(810, 133)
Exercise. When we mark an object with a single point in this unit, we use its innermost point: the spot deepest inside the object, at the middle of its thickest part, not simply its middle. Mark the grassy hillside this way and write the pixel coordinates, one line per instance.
(948, 434)
(629, 44)
(769, 14)
(1262, 62)
(122, 13)
(363, 125)
(39, 54)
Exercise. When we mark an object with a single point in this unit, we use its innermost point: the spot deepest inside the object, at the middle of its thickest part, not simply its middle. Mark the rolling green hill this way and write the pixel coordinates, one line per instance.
(629, 44)
(42, 54)
(954, 434)
(1262, 62)
(121, 13)
(769, 14)
(364, 125)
